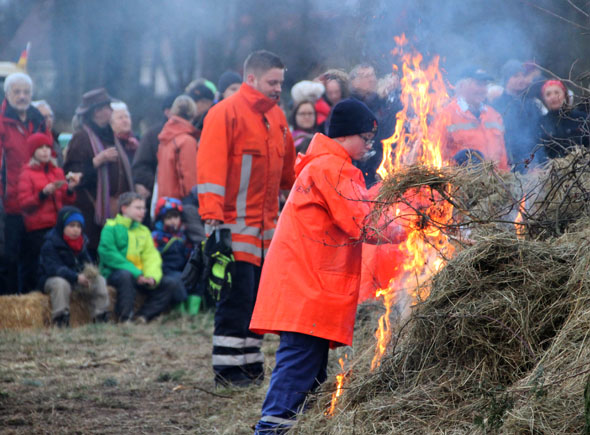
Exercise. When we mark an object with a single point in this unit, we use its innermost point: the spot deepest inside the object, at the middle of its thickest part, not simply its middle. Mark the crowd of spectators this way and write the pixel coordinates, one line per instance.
(517, 119)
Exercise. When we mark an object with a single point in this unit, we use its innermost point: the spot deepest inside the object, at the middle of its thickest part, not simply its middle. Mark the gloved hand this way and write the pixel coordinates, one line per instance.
(221, 262)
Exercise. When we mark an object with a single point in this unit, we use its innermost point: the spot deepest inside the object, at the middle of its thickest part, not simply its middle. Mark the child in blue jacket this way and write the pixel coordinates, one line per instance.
(64, 255)
(170, 239)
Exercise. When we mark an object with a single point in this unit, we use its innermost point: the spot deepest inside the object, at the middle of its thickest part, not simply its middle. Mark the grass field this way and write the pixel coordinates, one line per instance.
(153, 378)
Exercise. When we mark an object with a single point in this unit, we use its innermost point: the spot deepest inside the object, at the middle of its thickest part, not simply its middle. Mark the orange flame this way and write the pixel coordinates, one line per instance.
(339, 383)
(413, 142)
(520, 228)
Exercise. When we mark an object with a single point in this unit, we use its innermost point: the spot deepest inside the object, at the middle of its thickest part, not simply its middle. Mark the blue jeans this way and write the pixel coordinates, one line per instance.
(301, 362)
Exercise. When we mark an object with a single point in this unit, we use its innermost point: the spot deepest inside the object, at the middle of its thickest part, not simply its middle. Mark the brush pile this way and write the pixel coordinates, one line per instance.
(501, 345)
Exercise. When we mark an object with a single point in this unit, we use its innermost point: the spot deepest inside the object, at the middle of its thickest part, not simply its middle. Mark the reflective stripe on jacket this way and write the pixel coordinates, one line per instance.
(245, 155)
(310, 278)
(460, 129)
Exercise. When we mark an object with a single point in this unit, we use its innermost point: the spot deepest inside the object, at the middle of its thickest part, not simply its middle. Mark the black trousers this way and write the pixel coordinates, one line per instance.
(158, 299)
(237, 358)
(12, 266)
(30, 258)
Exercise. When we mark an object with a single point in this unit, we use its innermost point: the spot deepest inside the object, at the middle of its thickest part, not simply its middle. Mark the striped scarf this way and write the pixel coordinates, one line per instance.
(102, 209)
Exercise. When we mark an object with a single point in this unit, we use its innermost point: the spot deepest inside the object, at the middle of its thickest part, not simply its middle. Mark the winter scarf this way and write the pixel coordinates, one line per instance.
(75, 245)
(102, 210)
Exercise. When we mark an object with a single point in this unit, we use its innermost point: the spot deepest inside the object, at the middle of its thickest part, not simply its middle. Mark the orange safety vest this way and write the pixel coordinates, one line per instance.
(245, 155)
(459, 129)
(310, 279)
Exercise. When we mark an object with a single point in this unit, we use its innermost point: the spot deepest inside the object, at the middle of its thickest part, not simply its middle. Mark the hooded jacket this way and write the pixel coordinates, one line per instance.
(39, 210)
(246, 154)
(310, 279)
(172, 244)
(128, 245)
(177, 155)
(57, 258)
(13, 150)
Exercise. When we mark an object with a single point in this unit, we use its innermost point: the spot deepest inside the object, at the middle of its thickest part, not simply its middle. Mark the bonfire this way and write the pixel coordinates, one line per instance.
(486, 329)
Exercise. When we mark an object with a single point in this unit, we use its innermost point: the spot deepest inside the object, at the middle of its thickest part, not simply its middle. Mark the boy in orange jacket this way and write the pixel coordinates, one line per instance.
(310, 280)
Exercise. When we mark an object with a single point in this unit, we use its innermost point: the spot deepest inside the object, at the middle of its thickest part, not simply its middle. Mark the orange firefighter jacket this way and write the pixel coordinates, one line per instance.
(460, 129)
(245, 155)
(310, 279)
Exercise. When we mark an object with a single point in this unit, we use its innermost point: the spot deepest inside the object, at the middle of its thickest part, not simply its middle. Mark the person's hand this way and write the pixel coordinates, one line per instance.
(142, 191)
(82, 280)
(49, 189)
(144, 280)
(213, 223)
(109, 155)
(73, 179)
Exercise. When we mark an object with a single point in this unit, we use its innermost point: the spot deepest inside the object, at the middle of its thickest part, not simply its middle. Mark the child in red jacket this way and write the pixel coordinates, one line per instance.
(42, 191)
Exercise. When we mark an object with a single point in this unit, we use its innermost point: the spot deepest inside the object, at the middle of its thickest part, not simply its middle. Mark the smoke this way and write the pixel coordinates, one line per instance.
(478, 33)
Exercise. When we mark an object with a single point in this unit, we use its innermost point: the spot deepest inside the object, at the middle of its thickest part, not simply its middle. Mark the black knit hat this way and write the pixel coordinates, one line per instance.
(350, 117)
(202, 92)
(227, 79)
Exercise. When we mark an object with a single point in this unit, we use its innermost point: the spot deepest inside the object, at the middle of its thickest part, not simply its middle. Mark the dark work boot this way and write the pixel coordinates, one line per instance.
(63, 320)
(102, 318)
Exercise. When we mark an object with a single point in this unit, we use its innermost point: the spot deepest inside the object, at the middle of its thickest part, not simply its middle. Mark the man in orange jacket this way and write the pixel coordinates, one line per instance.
(466, 123)
(310, 283)
(245, 156)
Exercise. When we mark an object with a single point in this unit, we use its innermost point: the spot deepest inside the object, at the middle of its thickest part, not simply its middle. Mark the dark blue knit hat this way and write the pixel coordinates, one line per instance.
(350, 117)
(66, 215)
(227, 79)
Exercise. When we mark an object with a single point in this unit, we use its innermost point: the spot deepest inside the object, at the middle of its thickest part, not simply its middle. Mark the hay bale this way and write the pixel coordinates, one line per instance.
(79, 312)
(31, 310)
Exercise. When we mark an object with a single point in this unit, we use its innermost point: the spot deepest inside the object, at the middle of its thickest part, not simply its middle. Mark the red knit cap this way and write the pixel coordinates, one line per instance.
(554, 83)
(37, 140)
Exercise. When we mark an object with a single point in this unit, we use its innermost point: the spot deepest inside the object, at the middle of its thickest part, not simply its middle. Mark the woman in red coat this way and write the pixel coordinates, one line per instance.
(42, 191)
(309, 286)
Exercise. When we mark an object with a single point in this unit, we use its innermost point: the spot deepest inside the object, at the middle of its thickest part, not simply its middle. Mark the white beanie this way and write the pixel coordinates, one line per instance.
(307, 90)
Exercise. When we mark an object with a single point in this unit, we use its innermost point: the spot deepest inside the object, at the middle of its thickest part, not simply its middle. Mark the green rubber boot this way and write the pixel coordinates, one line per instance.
(180, 308)
(193, 305)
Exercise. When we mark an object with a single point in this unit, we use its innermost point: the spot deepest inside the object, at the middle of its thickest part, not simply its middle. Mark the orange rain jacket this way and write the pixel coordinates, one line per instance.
(381, 263)
(310, 279)
(177, 153)
(246, 153)
(460, 129)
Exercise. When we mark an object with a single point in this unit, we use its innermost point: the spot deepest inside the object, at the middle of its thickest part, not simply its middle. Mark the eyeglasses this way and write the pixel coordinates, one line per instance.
(305, 113)
(369, 140)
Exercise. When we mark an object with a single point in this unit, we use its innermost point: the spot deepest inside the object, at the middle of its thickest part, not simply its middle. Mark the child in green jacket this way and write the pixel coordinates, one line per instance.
(130, 262)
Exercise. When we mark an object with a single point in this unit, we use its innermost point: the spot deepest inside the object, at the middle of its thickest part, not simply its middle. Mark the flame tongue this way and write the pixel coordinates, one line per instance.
(422, 210)
(423, 94)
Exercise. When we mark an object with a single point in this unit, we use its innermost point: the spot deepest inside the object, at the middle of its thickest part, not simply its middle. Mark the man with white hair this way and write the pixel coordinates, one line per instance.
(18, 120)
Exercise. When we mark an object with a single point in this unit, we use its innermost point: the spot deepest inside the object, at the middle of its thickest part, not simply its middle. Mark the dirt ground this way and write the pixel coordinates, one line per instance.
(153, 378)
